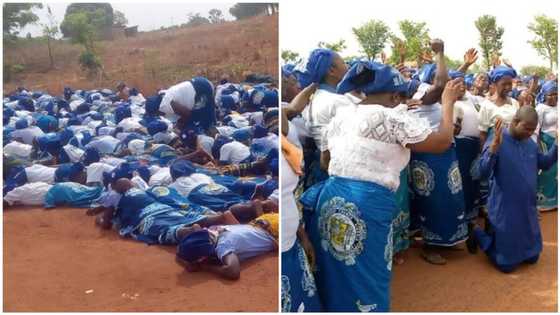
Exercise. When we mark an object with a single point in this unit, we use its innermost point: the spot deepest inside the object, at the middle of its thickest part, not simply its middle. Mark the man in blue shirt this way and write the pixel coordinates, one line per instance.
(511, 161)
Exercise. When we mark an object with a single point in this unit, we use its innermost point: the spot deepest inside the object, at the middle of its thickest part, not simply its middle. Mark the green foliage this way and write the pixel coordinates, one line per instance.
(372, 36)
(99, 15)
(10, 70)
(416, 41)
(289, 56)
(196, 20)
(89, 62)
(453, 64)
(18, 15)
(119, 19)
(245, 10)
(532, 69)
(215, 16)
(545, 41)
(336, 46)
(82, 30)
(490, 41)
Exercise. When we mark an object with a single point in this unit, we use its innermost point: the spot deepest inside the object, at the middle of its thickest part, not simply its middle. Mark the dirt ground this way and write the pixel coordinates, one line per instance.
(58, 260)
(469, 283)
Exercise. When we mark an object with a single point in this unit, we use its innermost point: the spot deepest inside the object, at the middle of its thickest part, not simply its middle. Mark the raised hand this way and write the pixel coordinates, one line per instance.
(413, 103)
(506, 62)
(497, 141)
(437, 45)
(470, 56)
(452, 91)
(426, 57)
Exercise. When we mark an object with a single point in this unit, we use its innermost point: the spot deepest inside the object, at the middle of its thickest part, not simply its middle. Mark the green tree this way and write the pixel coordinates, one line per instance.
(532, 69)
(215, 16)
(99, 14)
(545, 41)
(50, 30)
(453, 64)
(289, 56)
(372, 36)
(490, 41)
(195, 19)
(335, 46)
(16, 16)
(245, 10)
(119, 19)
(415, 42)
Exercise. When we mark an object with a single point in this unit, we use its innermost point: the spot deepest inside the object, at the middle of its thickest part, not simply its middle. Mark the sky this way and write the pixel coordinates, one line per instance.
(147, 15)
(452, 21)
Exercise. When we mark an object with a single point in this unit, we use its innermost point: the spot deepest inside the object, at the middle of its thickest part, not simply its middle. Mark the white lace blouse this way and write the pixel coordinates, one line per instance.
(368, 142)
(489, 112)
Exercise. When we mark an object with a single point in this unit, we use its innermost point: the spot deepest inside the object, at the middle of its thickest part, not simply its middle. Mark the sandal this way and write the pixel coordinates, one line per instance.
(433, 258)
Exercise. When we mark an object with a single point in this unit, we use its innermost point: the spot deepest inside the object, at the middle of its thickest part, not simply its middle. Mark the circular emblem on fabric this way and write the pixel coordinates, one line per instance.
(454, 181)
(258, 97)
(201, 103)
(422, 177)
(307, 280)
(213, 189)
(342, 230)
(160, 191)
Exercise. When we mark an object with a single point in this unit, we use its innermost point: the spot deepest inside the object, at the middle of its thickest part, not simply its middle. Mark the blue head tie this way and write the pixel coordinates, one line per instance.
(427, 73)
(318, 64)
(549, 87)
(195, 246)
(22, 123)
(371, 78)
(500, 72)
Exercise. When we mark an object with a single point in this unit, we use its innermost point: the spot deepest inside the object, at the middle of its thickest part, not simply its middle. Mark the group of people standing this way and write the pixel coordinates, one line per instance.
(378, 156)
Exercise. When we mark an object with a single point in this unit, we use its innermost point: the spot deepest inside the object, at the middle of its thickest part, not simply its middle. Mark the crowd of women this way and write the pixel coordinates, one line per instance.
(376, 156)
(193, 166)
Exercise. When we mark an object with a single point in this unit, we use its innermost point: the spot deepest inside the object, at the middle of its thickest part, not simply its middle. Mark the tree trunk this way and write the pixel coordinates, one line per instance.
(50, 52)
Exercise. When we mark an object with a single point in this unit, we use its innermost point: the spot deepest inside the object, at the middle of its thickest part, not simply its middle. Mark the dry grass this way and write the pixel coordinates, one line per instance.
(155, 59)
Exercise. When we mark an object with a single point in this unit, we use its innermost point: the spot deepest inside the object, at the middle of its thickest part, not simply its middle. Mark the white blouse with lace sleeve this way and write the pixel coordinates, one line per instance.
(368, 142)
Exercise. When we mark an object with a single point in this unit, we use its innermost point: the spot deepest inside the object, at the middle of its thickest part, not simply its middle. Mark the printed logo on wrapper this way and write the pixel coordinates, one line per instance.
(422, 177)
(342, 230)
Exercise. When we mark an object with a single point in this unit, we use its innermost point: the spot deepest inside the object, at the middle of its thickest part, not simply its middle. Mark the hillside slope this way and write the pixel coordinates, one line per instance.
(155, 59)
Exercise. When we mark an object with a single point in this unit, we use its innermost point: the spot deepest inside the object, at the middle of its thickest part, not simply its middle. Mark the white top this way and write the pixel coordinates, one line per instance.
(368, 142)
(183, 94)
(234, 152)
(489, 112)
(320, 111)
(548, 119)
(206, 143)
(74, 153)
(40, 173)
(17, 150)
(466, 109)
(27, 134)
(290, 212)
(185, 184)
(475, 99)
(32, 194)
(161, 177)
(95, 171)
(104, 144)
(130, 124)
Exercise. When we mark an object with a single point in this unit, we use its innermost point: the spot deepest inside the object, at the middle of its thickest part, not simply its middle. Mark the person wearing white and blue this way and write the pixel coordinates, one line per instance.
(326, 68)
(511, 160)
(351, 212)
(547, 130)
(438, 203)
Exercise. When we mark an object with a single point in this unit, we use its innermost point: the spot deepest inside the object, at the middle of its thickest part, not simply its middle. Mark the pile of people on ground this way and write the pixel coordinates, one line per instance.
(376, 157)
(193, 165)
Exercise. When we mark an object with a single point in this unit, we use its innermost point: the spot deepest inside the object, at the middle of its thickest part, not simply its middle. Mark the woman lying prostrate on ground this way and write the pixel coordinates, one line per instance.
(156, 216)
(221, 249)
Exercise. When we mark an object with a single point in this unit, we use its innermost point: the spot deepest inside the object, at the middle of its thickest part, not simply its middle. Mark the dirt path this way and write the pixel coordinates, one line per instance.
(468, 283)
(51, 258)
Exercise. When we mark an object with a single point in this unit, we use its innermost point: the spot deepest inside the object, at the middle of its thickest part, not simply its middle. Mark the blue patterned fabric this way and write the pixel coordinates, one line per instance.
(349, 223)
(401, 215)
(72, 194)
(438, 197)
(467, 153)
(547, 182)
(215, 197)
(140, 216)
(298, 289)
